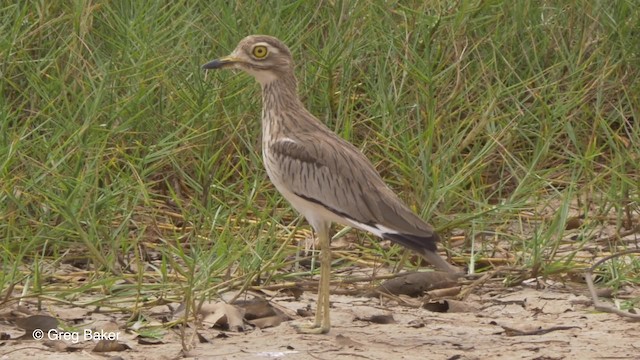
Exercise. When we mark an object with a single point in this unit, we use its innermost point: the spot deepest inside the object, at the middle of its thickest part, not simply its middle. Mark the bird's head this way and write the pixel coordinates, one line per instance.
(264, 57)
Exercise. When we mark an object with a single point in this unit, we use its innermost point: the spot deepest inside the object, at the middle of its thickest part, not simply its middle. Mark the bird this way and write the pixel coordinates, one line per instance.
(324, 177)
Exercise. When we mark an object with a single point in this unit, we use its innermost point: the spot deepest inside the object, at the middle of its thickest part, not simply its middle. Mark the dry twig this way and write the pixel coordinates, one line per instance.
(602, 306)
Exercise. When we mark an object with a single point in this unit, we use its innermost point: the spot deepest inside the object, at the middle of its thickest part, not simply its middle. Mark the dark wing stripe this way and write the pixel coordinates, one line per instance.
(337, 212)
(414, 242)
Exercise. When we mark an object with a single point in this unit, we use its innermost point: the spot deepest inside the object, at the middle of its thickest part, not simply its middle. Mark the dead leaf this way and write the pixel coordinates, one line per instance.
(379, 319)
(202, 339)
(41, 322)
(106, 326)
(573, 223)
(255, 308)
(72, 314)
(56, 345)
(266, 322)
(110, 345)
(448, 306)
(260, 313)
(222, 314)
(304, 312)
(440, 293)
(416, 283)
(61, 346)
(296, 292)
(606, 292)
(416, 323)
(436, 306)
(149, 341)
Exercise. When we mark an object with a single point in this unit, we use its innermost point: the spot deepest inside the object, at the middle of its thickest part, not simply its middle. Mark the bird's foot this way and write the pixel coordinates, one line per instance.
(311, 328)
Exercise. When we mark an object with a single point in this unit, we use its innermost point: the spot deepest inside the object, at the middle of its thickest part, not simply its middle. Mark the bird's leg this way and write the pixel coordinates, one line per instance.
(325, 279)
(322, 322)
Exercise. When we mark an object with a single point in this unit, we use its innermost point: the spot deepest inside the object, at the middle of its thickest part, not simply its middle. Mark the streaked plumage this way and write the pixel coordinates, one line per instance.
(323, 176)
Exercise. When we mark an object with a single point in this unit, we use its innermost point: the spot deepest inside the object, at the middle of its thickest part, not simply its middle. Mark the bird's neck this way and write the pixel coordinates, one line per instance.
(280, 94)
(282, 110)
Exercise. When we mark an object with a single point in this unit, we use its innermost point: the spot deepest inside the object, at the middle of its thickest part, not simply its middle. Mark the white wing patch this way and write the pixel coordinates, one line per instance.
(376, 229)
(287, 139)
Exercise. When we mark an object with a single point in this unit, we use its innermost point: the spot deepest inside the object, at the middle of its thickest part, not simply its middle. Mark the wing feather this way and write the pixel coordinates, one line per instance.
(336, 175)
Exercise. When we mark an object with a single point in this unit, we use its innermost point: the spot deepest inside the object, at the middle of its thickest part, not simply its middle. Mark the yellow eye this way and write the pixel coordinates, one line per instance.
(259, 51)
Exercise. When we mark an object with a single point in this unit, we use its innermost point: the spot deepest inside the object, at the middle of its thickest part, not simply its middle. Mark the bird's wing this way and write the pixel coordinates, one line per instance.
(337, 176)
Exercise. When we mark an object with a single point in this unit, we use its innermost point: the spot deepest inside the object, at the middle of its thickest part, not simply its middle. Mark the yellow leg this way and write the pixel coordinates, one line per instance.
(322, 322)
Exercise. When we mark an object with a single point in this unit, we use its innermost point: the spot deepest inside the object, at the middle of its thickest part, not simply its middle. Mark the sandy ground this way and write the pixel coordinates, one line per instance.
(523, 322)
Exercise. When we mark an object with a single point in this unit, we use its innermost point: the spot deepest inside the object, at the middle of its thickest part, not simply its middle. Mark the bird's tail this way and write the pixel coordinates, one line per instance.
(425, 246)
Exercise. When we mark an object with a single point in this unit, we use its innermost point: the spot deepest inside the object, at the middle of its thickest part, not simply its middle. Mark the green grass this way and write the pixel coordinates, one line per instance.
(119, 156)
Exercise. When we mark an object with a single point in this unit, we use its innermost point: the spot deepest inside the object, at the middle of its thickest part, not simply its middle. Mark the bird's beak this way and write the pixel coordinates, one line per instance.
(226, 61)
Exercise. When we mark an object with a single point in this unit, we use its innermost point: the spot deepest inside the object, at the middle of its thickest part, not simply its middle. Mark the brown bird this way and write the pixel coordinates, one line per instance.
(323, 176)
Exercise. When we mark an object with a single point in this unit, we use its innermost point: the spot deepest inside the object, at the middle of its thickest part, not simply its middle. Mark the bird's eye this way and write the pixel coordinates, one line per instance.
(259, 51)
